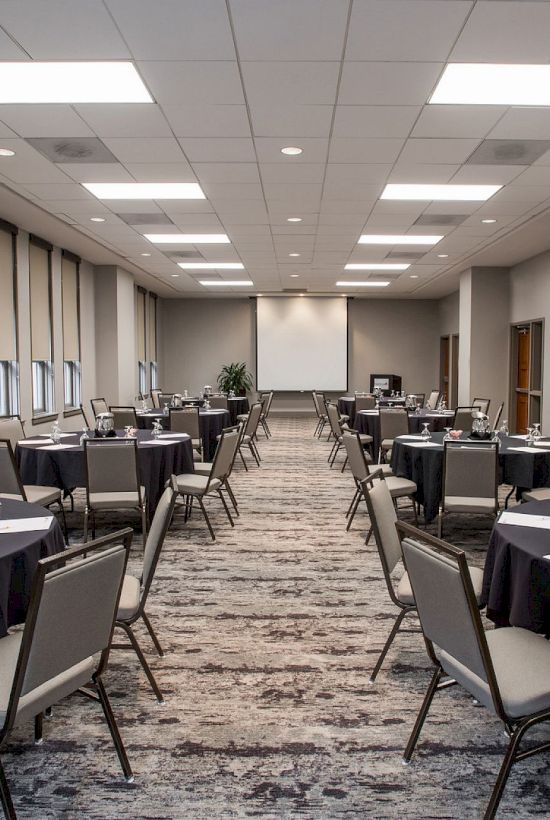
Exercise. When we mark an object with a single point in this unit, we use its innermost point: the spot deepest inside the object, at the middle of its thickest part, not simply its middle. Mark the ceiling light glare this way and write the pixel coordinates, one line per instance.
(397, 239)
(188, 238)
(414, 276)
(174, 275)
(369, 284)
(294, 254)
(294, 275)
(378, 266)
(441, 193)
(291, 151)
(211, 265)
(442, 255)
(145, 190)
(220, 283)
(71, 82)
(146, 254)
(6, 152)
(493, 84)
(97, 219)
(488, 221)
(294, 219)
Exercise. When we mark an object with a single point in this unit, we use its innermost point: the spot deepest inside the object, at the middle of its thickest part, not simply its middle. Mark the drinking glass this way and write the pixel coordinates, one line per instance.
(426, 435)
(447, 436)
(165, 408)
(536, 431)
(127, 431)
(529, 435)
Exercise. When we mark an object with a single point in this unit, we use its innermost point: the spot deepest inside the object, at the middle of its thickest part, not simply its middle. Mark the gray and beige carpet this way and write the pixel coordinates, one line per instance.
(270, 634)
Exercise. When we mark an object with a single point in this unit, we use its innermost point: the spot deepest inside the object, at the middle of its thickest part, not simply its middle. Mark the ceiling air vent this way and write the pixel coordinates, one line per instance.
(185, 256)
(508, 152)
(405, 255)
(63, 150)
(441, 219)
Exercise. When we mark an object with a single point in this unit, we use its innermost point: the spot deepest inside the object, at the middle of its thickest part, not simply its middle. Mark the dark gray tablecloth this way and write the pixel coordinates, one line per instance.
(516, 582)
(19, 556)
(368, 421)
(211, 423)
(346, 406)
(237, 406)
(425, 468)
(65, 468)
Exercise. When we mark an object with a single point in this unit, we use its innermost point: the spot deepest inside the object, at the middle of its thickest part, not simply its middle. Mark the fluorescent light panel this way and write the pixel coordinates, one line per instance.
(449, 193)
(81, 82)
(212, 266)
(188, 238)
(493, 84)
(397, 239)
(378, 266)
(219, 283)
(145, 190)
(369, 284)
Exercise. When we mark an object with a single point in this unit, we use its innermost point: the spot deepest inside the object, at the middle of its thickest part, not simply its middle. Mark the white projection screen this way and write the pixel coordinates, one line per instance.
(302, 343)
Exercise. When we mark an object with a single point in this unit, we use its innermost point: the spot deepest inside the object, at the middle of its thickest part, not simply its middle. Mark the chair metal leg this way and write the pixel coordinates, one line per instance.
(5, 796)
(344, 465)
(242, 459)
(141, 657)
(417, 728)
(63, 519)
(337, 450)
(440, 525)
(352, 502)
(85, 533)
(152, 633)
(256, 448)
(113, 728)
(226, 508)
(507, 763)
(209, 525)
(232, 497)
(389, 641)
(143, 523)
(251, 448)
(354, 510)
(38, 723)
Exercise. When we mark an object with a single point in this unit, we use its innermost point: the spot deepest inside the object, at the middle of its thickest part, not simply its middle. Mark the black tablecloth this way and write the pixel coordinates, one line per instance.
(237, 407)
(211, 423)
(516, 582)
(346, 406)
(19, 556)
(424, 466)
(65, 468)
(368, 421)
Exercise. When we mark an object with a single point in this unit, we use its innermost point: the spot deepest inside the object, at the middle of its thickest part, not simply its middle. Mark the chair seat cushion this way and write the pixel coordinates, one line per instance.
(115, 501)
(42, 495)
(364, 438)
(195, 484)
(405, 594)
(399, 487)
(540, 494)
(197, 456)
(129, 598)
(196, 443)
(387, 443)
(521, 660)
(242, 417)
(203, 468)
(458, 503)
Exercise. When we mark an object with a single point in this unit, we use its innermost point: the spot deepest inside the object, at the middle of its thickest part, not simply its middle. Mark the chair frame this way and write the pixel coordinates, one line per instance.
(468, 407)
(98, 398)
(486, 411)
(474, 446)
(321, 417)
(252, 433)
(155, 393)
(498, 416)
(83, 413)
(18, 417)
(128, 408)
(426, 403)
(189, 409)
(266, 398)
(389, 411)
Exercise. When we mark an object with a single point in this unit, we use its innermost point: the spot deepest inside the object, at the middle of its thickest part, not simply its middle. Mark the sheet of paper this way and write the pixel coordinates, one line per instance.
(539, 522)
(175, 435)
(36, 441)
(423, 444)
(155, 443)
(25, 524)
(61, 435)
(532, 450)
(522, 437)
(412, 437)
(60, 447)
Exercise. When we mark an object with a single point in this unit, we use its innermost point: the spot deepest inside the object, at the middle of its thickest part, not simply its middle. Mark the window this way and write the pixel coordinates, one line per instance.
(141, 330)
(9, 394)
(153, 364)
(70, 284)
(40, 274)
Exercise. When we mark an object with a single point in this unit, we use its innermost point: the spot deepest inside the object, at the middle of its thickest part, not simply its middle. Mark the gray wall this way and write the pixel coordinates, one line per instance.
(449, 314)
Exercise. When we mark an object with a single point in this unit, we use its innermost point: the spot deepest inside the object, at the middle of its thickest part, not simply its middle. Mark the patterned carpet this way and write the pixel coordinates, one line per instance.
(270, 635)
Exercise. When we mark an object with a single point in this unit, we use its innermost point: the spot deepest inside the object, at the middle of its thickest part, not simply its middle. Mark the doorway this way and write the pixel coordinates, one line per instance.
(448, 368)
(526, 375)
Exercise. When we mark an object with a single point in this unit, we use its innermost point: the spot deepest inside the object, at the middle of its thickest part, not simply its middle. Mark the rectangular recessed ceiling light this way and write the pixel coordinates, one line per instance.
(493, 84)
(145, 190)
(188, 238)
(79, 82)
(378, 266)
(372, 284)
(220, 283)
(397, 239)
(449, 193)
(212, 265)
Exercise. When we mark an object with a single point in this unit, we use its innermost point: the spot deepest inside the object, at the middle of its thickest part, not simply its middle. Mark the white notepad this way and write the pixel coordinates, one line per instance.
(154, 443)
(539, 522)
(175, 435)
(26, 524)
(60, 447)
(36, 441)
(531, 450)
(423, 444)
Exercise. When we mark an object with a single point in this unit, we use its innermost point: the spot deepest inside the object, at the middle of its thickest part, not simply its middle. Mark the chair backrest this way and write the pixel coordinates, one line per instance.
(72, 610)
(470, 470)
(483, 404)
(382, 517)
(316, 403)
(498, 415)
(83, 414)
(155, 393)
(334, 418)
(364, 403)
(111, 466)
(185, 420)
(356, 455)
(123, 417)
(11, 427)
(463, 418)
(219, 403)
(99, 406)
(155, 537)
(420, 399)
(10, 480)
(253, 419)
(394, 421)
(267, 398)
(433, 398)
(165, 398)
(225, 453)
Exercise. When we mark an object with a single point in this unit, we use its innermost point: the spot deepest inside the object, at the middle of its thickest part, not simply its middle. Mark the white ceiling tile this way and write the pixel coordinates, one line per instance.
(349, 220)
(279, 172)
(44, 121)
(54, 190)
(366, 151)
(186, 206)
(452, 207)
(365, 83)
(57, 30)
(239, 232)
(125, 120)
(197, 223)
(218, 149)
(374, 120)
(151, 149)
(521, 124)
(290, 83)
(95, 172)
(217, 191)
(193, 82)
(457, 120)
(401, 30)
(505, 32)
(539, 175)
(379, 220)
(207, 120)
(293, 230)
(209, 172)
(374, 174)
(434, 151)
(283, 208)
(290, 29)
(175, 28)
(302, 120)
(387, 206)
(292, 192)
(77, 207)
(346, 189)
(521, 193)
(161, 171)
(269, 149)
(28, 165)
(355, 208)
(412, 172)
(488, 174)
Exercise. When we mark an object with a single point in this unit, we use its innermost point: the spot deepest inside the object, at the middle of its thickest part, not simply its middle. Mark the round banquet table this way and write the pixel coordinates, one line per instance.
(346, 405)
(423, 464)
(516, 581)
(19, 556)
(368, 421)
(211, 423)
(237, 406)
(63, 465)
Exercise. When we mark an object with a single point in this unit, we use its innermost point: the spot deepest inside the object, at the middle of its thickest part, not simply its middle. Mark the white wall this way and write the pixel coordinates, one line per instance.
(449, 309)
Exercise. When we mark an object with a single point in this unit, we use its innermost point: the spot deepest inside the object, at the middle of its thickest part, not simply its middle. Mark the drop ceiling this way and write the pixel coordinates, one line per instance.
(233, 83)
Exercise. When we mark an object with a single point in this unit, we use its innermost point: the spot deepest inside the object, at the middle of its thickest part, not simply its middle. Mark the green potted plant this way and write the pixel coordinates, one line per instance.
(235, 377)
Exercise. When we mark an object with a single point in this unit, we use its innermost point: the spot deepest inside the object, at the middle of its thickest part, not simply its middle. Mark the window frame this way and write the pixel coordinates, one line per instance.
(9, 368)
(73, 367)
(45, 379)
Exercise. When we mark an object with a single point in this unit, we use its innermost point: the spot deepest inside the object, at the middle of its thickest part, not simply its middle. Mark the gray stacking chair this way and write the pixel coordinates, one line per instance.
(165, 398)
(64, 645)
(135, 591)
(195, 485)
(112, 480)
(219, 403)
(383, 519)
(123, 417)
(470, 480)
(433, 399)
(483, 404)
(99, 406)
(497, 416)
(463, 417)
(266, 400)
(11, 485)
(205, 467)
(187, 420)
(11, 427)
(320, 410)
(248, 435)
(338, 428)
(155, 393)
(83, 414)
(506, 670)
(394, 421)
(366, 402)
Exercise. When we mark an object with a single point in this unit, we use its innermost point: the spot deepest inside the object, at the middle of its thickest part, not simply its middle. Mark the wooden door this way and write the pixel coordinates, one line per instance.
(444, 373)
(453, 398)
(522, 379)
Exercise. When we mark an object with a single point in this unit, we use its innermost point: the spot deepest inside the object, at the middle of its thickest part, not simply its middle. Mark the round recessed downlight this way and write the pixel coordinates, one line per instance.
(174, 275)
(294, 275)
(6, 152)
(488, 221)
(294, 219)
(414, 276)
(145, 254)
(291, 151)
(294, 254)
(96, 219)
(443, 255)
